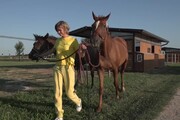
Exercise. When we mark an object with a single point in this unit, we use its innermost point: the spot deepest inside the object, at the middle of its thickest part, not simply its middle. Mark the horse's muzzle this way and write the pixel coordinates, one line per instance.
(33, 56)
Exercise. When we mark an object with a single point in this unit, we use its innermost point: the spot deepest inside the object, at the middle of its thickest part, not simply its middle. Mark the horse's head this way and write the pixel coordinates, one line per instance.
(99, 29)
(40, 46)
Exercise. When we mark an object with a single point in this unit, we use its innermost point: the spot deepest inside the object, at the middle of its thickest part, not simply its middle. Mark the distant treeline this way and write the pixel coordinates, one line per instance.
(14, 57)
(17, 58)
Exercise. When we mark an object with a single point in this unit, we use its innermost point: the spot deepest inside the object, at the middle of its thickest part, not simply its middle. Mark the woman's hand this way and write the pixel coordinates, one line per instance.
(83, 47)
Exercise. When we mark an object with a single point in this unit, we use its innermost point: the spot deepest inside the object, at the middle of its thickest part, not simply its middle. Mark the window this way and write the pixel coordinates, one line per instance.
(152, 47)
(137, 46)
(139, 58)
(138, 49)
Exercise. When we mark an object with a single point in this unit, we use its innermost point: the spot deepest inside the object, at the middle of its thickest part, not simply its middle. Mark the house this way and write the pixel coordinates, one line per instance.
(172, 55)
(144, 48)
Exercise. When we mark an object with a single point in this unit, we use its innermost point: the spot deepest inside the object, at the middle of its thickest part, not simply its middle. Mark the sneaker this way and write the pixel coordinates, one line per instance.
(79, 107)
(59, 119)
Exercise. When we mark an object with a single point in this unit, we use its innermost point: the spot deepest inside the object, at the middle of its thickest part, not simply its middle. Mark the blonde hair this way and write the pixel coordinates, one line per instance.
(64, 25)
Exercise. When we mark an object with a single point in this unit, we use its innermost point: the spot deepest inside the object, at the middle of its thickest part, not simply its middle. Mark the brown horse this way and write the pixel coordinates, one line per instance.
(44, 43)
(113, 54)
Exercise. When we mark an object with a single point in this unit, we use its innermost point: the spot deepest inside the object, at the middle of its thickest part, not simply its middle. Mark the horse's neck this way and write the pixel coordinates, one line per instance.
(52, 40)
(107, 45)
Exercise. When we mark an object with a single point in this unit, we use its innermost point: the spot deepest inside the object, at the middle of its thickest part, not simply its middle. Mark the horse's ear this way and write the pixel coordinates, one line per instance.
(46, 36)
(35, 35)
(94, 16)
(107, 17)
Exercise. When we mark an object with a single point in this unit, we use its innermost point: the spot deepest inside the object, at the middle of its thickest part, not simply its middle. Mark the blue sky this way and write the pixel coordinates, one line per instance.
(23, 18)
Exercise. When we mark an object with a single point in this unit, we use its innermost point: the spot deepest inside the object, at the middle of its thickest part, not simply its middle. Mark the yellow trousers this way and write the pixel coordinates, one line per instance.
(64, 76)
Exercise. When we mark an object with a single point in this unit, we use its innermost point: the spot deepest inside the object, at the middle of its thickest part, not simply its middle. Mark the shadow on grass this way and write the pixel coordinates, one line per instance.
(175, 70)
(30, 105)
(34, 66)
(7, 85)
(157, 92)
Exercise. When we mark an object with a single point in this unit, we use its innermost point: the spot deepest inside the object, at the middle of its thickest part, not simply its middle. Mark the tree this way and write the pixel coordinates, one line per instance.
(19, 48)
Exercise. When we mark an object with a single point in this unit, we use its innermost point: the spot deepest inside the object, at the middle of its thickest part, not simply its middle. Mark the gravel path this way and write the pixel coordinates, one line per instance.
(172, 110)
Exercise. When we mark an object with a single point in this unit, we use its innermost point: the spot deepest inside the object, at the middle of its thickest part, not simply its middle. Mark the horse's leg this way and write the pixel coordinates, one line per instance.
(92, 77)
(109, 73)
(78, 78)
(116, 84)
(101, 88)
(123, 67)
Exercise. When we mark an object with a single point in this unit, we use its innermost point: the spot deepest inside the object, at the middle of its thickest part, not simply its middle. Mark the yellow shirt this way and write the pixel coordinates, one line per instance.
(65, 47)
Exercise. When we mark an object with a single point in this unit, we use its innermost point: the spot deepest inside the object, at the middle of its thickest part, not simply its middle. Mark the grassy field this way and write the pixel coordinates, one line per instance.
(26, 93)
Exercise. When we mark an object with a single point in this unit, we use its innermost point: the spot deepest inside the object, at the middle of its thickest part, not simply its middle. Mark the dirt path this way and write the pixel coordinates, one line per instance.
(172, 110)
(14, 80)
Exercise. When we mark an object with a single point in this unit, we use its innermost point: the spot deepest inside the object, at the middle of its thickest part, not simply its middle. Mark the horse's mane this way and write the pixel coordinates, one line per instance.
(52, 37)
(37, 36)
(40, 36)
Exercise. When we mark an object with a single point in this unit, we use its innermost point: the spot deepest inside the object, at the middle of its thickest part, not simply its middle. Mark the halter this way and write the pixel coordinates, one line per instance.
(37, 52)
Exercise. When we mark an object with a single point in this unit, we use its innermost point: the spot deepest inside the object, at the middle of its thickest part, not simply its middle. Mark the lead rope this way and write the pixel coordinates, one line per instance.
(88, 58)
(81, 68)
(87, 91)
(86, 76)
(59, 59)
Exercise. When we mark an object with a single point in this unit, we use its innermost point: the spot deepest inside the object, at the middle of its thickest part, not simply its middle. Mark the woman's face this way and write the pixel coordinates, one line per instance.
(61, 31)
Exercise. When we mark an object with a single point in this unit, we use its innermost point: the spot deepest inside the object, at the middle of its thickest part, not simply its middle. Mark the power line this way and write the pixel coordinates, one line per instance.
(19, 38)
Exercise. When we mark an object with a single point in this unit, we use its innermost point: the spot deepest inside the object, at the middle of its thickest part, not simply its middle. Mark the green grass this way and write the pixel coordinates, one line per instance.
(26, 64)
(146, 94)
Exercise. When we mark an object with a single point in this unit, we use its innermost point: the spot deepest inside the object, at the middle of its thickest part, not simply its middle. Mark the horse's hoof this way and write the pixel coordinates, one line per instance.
(117, 97)
(98, 110)
(123, 89)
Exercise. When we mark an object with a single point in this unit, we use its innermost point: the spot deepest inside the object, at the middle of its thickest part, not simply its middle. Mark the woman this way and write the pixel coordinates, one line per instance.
(64, 74)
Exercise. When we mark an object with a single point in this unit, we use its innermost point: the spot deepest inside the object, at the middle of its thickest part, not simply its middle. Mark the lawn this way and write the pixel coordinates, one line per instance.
(26, 93)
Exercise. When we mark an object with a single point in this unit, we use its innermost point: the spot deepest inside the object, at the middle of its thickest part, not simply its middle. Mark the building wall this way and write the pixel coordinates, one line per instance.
(148, 61)
(153, 57)
(172, 57)
(149, 51)
(158, 49)
(130, 45)
(145, 47)
(153, 61)
(130, 54)
(161, 61)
